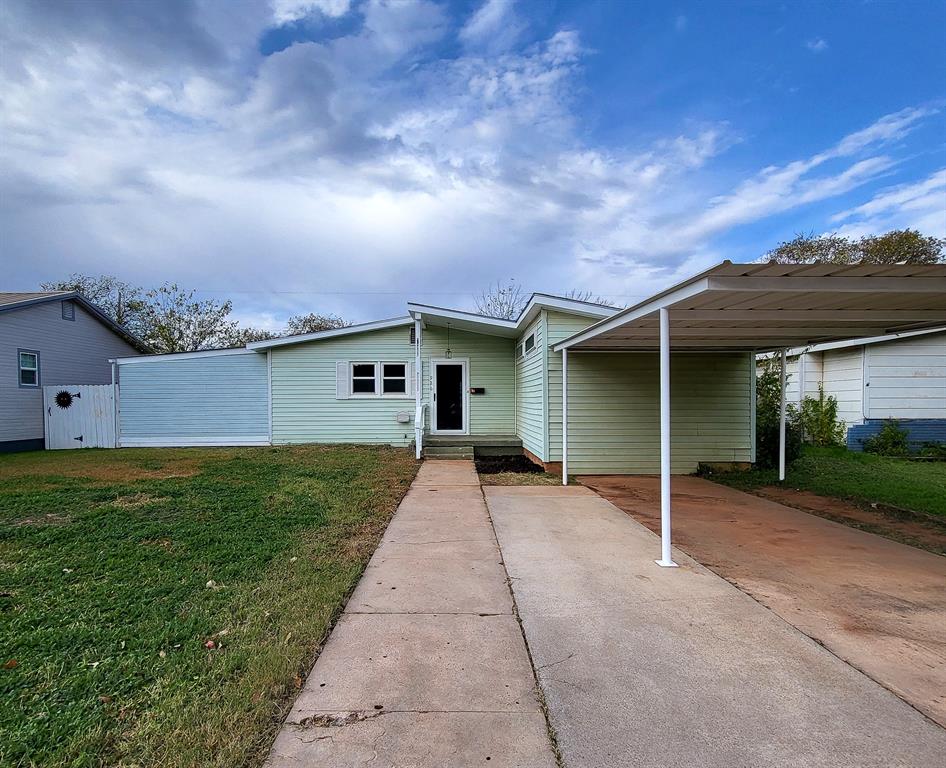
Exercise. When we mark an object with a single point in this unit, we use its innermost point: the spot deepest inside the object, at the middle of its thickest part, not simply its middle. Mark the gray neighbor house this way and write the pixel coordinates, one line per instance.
(51, 338)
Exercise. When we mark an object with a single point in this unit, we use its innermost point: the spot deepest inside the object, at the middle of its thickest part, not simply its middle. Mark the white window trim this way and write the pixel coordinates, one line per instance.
(406, 378)
(351, 379)
(379, 393)
(20, 368)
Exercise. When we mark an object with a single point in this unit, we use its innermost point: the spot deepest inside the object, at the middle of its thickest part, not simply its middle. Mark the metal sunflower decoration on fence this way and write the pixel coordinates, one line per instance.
(63, 399)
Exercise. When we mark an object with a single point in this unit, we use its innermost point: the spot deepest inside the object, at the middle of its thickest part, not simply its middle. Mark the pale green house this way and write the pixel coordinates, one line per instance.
(447, 382)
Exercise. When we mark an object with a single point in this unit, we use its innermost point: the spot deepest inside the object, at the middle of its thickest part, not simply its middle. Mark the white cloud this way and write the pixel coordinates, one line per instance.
(494, 26)
(817, 45)
(288, 11)
(920, 205)
(350, 174)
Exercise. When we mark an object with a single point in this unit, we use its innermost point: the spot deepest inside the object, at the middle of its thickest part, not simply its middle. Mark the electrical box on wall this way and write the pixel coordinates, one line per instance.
(477, 390)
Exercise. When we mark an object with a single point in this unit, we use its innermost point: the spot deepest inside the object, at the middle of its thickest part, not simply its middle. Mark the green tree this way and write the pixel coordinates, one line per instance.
(175, 321)
(902, 246)
(768, 417)
(121, 301)
(819, 419)
(312, 322)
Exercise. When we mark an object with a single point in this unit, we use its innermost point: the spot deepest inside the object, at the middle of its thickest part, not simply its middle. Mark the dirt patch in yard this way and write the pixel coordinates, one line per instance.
(913, 528)
(876, 603)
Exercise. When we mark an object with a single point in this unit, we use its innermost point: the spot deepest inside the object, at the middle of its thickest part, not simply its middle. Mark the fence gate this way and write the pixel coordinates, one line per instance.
(79, 416)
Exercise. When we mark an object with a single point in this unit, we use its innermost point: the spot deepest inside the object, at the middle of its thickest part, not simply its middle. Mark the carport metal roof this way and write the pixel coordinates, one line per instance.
(773, 306)
(760, 307)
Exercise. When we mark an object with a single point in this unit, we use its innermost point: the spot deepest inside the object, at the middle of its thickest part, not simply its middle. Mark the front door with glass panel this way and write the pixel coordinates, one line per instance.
(449, 397)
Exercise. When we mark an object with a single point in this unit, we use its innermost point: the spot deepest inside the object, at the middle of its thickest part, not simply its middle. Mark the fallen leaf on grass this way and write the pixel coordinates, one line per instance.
(10, 664)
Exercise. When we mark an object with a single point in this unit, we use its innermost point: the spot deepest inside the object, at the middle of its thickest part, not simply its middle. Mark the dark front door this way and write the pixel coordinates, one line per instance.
(449, 403)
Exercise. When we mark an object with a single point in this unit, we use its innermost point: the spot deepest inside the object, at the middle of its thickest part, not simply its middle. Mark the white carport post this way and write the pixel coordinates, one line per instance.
(418, 389)
(781, 417)
(565, 416)
(666, 560)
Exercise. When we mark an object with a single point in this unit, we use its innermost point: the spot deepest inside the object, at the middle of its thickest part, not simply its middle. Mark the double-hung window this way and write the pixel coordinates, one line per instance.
(393, 379)
(378, 379)
(28, 363)
(364, 379)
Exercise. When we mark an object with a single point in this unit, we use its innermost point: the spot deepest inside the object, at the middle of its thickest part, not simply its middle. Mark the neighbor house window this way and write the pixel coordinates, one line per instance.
(68, 310)
(29, 368)
(529, 344)
(393, 379)
(364, 378)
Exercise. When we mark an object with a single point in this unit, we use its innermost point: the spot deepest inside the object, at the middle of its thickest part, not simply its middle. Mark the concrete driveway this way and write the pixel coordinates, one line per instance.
(878, 604)
(644, 666)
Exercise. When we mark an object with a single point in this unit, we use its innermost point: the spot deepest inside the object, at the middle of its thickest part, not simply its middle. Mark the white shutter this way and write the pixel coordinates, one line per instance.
(409, 371)
(342, 380)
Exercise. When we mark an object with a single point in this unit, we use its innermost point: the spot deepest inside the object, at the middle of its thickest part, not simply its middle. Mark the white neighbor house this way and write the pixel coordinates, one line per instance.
(897, 376)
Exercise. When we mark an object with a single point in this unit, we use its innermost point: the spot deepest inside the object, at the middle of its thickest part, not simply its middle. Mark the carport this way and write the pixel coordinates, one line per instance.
(759, 308)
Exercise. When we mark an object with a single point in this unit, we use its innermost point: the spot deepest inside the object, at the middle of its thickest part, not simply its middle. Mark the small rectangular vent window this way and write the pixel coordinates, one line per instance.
(68, 310)
(529, 344)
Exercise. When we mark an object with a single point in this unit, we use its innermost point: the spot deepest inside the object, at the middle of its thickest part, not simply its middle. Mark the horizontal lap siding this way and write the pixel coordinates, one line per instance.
(70, 352)
(530, 391)
(305, 408)
(908, 378)
(490, 367)
(843, 378)
(614, 411)
(217, 400)
(560, 327)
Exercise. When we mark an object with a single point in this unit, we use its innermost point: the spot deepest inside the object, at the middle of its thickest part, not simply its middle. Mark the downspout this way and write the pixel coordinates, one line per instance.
(565, 416)
(418, 389)
(781, 418)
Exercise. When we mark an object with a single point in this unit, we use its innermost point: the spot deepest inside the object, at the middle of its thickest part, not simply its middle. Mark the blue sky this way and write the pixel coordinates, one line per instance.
(347, 155)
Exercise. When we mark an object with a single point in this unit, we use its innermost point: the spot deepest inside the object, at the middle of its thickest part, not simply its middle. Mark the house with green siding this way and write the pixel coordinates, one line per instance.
(445, 381)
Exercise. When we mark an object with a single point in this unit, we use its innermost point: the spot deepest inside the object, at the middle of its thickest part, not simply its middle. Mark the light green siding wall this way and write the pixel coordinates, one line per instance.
(490, 367)
(614, 411)
(305, 409)
(560, 326)
(530, 390)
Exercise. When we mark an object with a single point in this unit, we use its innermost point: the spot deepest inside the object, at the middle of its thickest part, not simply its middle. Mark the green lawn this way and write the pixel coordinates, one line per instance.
(914, 485)
(120, 569)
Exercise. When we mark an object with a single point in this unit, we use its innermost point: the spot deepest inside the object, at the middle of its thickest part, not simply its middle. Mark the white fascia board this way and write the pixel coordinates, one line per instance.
(572, 306)
(424, 311)
(170, 357)
(377, 325)
(665, 299)
(861, 342)
(537, 302)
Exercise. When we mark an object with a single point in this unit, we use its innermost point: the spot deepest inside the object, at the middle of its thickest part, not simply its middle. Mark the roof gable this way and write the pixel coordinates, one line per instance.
(12, 301)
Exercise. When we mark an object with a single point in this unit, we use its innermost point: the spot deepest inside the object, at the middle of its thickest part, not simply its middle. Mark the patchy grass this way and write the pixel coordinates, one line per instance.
(520, 478)
(860, 477)
(160, 607)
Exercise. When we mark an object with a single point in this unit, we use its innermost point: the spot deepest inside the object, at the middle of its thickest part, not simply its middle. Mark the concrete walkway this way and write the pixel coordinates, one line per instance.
(427, 667)
(643, 666)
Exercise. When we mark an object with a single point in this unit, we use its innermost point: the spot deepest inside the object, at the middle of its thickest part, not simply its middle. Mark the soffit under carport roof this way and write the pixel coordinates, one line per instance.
(771, 306)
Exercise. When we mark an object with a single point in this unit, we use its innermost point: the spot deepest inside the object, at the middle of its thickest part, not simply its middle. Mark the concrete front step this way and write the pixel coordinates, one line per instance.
(448, 452)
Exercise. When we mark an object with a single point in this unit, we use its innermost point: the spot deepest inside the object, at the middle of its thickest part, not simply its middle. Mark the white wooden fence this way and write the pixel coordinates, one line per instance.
(79, 416)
